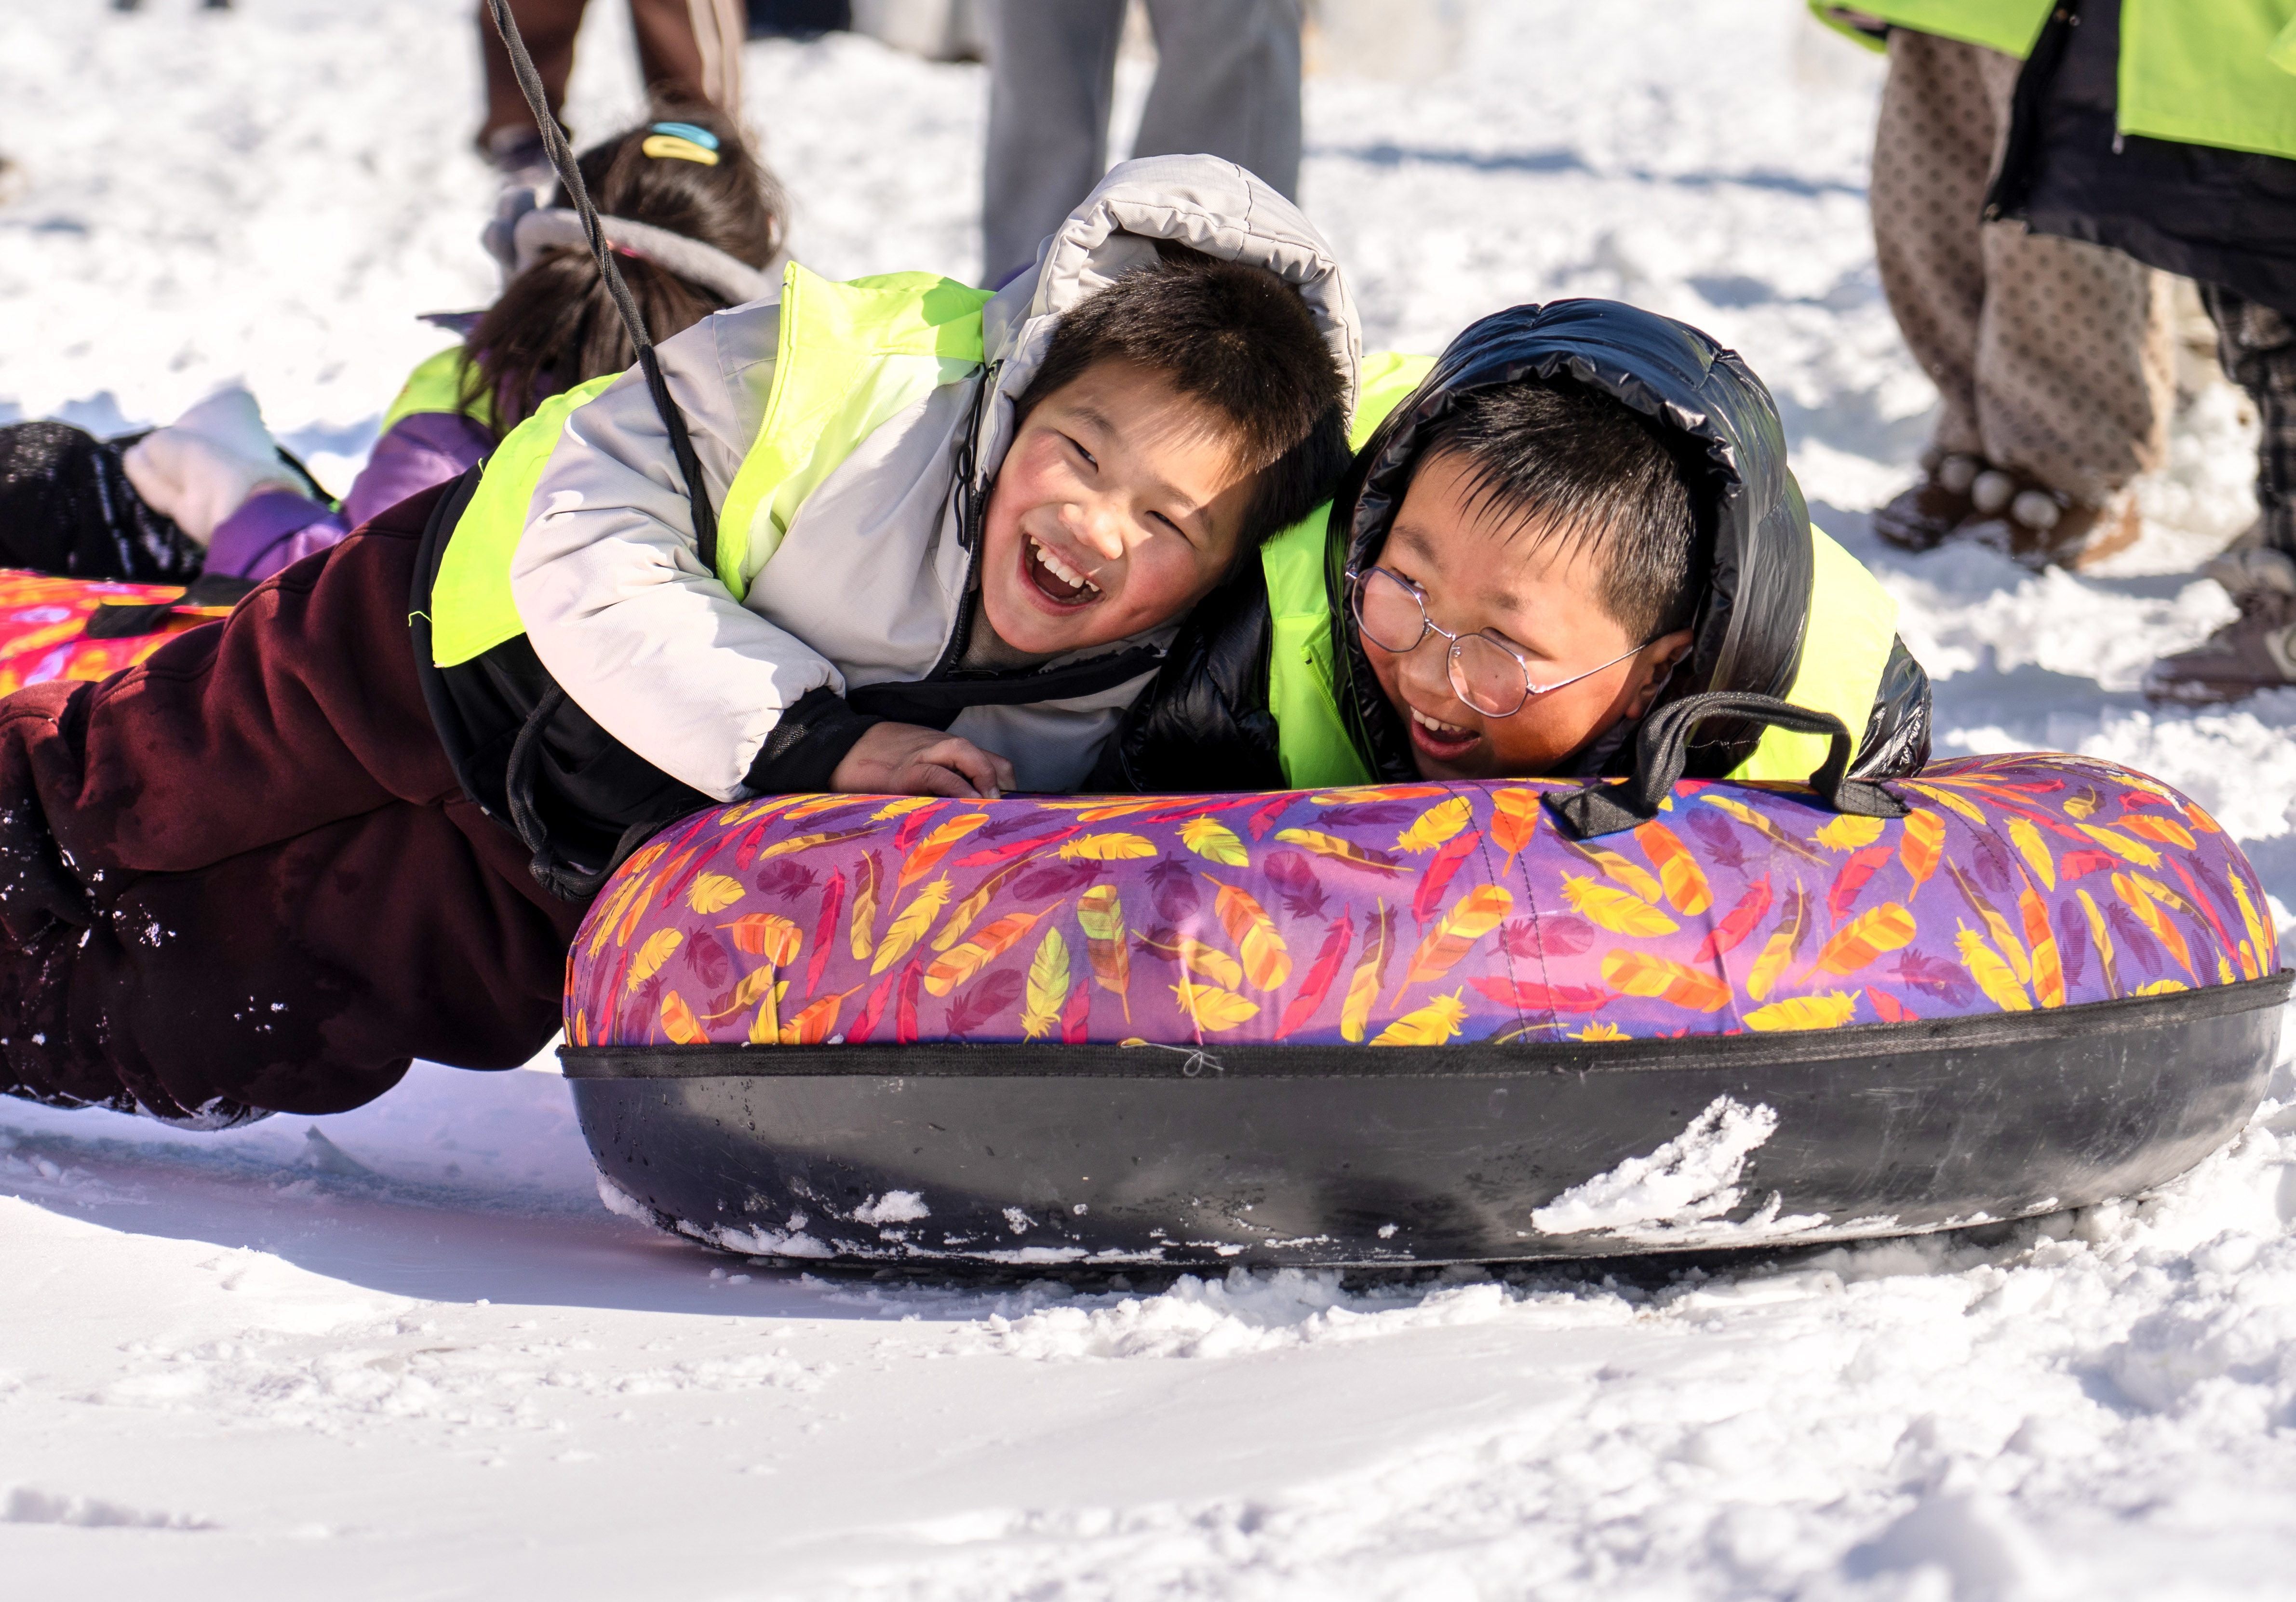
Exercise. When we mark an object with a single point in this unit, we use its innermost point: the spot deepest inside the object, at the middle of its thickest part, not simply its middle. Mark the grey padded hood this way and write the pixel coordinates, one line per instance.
(1199, 201)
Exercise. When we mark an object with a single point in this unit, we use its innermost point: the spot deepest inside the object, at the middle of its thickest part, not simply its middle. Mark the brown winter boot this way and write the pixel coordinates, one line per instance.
(1932, 507)
(2256, 651)
(2036, 527)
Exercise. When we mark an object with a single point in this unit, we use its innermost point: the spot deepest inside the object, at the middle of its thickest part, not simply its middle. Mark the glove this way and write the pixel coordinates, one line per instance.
(206, 464)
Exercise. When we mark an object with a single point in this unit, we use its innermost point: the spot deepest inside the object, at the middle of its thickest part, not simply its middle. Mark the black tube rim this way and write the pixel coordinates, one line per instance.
(1866, 1044)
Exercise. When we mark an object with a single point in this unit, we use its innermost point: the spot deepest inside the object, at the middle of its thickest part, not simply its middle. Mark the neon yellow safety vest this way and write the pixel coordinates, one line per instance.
(2007, 26)
(436, 385)
(848, 357)
(2213, 72)
(1852, 626)
(1311, 742)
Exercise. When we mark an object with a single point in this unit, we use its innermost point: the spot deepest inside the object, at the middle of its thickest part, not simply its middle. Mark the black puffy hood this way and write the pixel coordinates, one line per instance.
(1753, 526)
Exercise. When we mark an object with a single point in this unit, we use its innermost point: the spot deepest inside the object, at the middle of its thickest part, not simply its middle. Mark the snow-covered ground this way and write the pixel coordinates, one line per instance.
(403, 1352)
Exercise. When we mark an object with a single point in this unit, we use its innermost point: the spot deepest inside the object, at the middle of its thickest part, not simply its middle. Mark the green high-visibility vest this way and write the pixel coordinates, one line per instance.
(436, 385)
(1312, 745)
(848, 357)
(2214, 72)
(2007, 26)
(2221, 73)
(1845, 648)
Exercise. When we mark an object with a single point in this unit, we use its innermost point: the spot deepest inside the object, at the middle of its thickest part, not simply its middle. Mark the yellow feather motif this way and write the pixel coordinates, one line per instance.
(1436, 825)
(1826, 1011)
(1615, 910)
(1106, 848)
(910, 927)
(2035, 850)
(1267, 962)
(1214, 841)
(653, 955)
(1211, 1007)
(1430, 1025)
(1363, 985)
(1848, 833)
(1993, 975)
(1048, 985)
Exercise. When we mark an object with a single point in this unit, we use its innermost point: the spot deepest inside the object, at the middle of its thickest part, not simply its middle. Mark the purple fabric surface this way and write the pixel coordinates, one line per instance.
(269, 531)
(416, 453)
(277, 528)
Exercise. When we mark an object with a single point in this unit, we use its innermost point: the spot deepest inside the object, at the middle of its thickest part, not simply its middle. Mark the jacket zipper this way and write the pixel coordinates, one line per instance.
(973, 513)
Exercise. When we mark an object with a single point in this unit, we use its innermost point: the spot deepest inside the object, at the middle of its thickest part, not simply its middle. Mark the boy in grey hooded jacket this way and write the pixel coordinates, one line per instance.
(285, 855)
(964, 596)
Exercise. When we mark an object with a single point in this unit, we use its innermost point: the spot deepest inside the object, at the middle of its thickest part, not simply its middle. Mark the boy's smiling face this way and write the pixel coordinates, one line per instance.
(1541, 599)
(1118, 508)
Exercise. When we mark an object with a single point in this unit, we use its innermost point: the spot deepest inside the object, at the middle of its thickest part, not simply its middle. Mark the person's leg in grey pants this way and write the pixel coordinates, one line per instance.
(1227, 83)
(1052, 71)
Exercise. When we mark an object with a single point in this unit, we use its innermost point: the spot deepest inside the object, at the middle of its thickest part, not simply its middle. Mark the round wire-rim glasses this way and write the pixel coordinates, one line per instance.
(1486, 676)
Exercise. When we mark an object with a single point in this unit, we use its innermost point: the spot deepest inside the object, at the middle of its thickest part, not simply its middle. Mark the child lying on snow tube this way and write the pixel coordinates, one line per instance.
(1582, 514)
(211, 494)
(271, 864)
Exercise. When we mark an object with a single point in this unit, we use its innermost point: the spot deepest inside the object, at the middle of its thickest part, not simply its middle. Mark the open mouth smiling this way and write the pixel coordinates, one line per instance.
(1058, 583)
(1444, 742)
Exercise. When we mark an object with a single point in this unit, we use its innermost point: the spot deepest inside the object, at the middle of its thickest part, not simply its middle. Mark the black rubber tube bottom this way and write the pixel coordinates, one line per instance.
(1357, 1155)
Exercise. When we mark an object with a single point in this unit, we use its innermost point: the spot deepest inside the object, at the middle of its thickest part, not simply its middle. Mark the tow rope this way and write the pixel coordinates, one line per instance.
(562, 162)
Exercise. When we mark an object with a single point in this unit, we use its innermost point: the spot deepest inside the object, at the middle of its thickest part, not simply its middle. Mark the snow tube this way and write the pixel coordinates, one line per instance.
(1415, 1023)
(45, 625)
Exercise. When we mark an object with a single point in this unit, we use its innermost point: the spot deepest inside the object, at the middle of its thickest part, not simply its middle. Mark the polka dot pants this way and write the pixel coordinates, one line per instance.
(2050, 356)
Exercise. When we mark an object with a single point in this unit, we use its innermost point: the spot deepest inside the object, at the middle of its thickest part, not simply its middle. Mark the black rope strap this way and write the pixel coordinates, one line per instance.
(562, 161)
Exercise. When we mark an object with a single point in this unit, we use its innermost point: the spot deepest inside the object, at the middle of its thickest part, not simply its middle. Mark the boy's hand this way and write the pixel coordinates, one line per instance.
(902, 759)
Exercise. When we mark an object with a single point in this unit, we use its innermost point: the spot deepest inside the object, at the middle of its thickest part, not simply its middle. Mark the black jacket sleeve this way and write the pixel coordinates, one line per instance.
(808, 742)
(1896, 738)
(1203, 723)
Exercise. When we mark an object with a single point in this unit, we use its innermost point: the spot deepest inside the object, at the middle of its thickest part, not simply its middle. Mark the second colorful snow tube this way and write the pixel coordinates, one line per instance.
(56, 628)
(1416, 1023)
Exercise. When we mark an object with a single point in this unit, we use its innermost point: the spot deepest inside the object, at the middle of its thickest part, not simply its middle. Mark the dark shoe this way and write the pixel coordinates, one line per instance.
(2037, 527)
(520, 156)
(67, 507)
(2256, 651)
(1922, 517)
(2249, 563)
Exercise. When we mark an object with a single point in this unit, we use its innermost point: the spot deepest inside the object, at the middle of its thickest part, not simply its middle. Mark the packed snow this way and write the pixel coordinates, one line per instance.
(406, 1351)
(1678, 1196)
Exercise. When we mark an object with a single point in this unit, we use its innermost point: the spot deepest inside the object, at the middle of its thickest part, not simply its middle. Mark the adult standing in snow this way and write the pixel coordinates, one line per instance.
(2053, 358)
(690, 51)
(1227, 83)
(2170, 134)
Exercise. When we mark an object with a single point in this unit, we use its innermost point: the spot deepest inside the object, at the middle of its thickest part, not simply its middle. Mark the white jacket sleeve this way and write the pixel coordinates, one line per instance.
(609, 581)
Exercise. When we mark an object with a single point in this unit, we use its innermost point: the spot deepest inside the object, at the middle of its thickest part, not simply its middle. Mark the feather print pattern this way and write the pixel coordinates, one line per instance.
(1413, 914)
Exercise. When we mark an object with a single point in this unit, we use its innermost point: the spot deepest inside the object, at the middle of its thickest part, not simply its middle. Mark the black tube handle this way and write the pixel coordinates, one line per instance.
(1662, 749)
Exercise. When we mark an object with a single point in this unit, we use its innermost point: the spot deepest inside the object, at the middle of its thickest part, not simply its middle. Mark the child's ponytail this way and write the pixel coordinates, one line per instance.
(555, 324)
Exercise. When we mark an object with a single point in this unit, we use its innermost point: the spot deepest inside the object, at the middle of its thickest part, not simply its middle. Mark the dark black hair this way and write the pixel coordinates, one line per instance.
(1241, 340)
(556, 322)
(1583, 467)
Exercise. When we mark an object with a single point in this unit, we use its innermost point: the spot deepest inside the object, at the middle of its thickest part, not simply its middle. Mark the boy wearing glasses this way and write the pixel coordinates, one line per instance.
(1581, 513)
